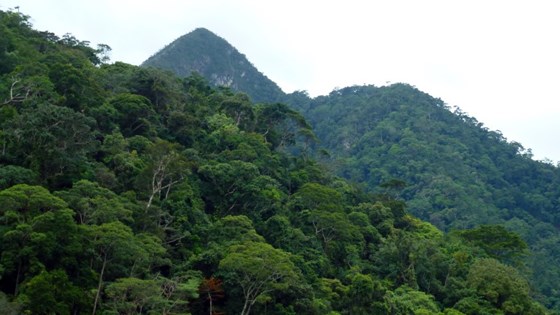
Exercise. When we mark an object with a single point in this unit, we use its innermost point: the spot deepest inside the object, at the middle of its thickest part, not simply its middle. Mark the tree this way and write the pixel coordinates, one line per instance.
(103, 52)
(29, 84)
(281, 125)
(176, 293)
(53, 141)
(166, 167)
(228, 185)
(122, 158)
(116, 250)
(405, 300)
(333, 229)
(316, 196)
(51, 293)
(259, 269)
(94, 204)
(366, 295)
(36, 231)
(163, 90)
(132, 295)
(321, 208)
(502, 286)
(74, 77)
(234, 230)
(134, 114)
(11, 175)
(211, 291)
(157, 295)
(412, 259)
(239, 108)
(497, 242)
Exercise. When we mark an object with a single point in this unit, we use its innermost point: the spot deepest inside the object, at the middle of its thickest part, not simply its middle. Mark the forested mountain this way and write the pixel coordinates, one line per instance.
(129, 190)
(451, 170)
(220, 63)
(454, 172)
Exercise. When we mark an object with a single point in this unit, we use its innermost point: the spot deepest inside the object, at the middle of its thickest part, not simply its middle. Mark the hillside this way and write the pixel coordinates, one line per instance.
(454, 172)
(458, 174)
(220, 63)
(129, 190)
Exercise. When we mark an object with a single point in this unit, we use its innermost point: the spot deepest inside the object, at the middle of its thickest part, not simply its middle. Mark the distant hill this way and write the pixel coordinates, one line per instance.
(216, 60)
(451, 169)
(458, 172)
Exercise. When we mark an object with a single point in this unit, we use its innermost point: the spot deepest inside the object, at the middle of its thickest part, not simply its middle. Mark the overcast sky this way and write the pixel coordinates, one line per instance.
(499, 61)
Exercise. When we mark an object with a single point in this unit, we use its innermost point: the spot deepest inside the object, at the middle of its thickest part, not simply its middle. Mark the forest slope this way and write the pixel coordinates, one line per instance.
(454, 172)
(129, 190)
(458, 174)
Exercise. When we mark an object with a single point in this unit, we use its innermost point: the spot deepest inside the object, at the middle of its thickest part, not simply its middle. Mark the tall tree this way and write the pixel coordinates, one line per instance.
(117, 251)
(258, 269)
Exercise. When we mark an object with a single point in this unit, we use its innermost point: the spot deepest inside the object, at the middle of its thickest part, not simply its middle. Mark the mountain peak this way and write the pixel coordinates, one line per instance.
(203, 30)
(211, 56)
(202, 33)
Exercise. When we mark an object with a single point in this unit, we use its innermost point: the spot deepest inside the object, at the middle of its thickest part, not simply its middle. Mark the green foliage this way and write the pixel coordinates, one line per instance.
(20, 203)
(496, 241)
(133, 114)
(11, 175)
(282, 125)
(458, 173)
(126, 295)
(160, 295)
(94, 204)
(405, 300)
(258, 269)
(7, 307)
(38, 233)
(51, 293)
(127, 190)
(51, 140)
(366, 295)
(502, 287)
(203, 52)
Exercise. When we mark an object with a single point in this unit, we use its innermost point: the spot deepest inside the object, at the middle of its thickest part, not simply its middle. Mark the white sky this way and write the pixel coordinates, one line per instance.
(499, 61)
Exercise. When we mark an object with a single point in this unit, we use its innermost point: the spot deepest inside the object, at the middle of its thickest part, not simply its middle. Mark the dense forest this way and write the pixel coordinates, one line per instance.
(130, 190)
(454, 172)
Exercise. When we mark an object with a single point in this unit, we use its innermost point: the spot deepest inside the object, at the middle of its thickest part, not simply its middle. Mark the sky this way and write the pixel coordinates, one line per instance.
(499, 61)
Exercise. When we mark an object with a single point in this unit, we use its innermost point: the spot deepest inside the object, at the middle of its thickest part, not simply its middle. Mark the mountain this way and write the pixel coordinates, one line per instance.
(220, 63)
(129, 190)
(451, 170)
(459, 173)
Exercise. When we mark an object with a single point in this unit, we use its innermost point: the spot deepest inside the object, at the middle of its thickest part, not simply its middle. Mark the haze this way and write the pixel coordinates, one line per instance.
(497, 60)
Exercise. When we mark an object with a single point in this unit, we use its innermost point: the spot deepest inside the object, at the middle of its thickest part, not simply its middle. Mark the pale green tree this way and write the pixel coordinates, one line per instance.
(259, 269)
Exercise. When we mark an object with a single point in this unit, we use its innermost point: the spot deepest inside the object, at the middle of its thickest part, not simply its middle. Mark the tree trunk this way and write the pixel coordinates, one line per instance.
(99, 284)
(249, 302)
(246, 307)
(150, 200)
(210, 301)
(18, 274)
